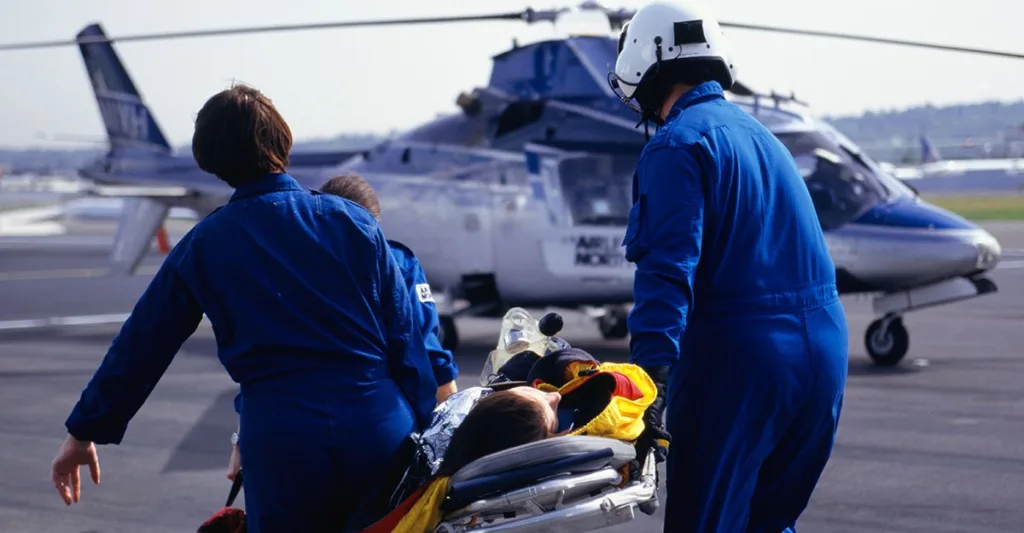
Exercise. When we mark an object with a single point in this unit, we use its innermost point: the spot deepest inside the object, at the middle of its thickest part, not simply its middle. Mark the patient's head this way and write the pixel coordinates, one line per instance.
(499, 421)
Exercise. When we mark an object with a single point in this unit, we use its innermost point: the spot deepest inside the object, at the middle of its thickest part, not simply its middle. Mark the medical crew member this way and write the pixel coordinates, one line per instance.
(311, 317)
(354, 187)
(735, 290)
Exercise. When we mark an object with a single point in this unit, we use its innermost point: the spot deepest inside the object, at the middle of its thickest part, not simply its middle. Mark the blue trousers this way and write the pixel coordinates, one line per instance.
(753, 409)
(312, 453)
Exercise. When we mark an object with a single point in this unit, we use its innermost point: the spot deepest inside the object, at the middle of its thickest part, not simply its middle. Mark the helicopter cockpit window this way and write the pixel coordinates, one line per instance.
(841, 187)
(598, 189)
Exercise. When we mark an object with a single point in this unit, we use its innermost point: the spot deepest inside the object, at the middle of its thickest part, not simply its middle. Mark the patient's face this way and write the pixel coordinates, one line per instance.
(547, 400)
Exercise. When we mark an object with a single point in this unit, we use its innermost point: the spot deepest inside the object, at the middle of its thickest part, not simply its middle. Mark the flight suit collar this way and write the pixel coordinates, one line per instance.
(267, 184)
(704, 91)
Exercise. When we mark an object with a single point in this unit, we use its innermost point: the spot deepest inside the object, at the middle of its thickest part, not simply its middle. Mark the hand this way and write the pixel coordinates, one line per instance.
(654, 435)
(446, 390)
(235, 463)
(64, 471)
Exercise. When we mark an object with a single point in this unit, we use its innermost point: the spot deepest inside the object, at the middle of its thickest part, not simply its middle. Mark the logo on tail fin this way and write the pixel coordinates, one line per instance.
(124, 118)
(99, 83)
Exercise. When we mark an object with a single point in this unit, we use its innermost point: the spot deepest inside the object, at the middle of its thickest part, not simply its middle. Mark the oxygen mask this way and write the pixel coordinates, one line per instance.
(520, 333)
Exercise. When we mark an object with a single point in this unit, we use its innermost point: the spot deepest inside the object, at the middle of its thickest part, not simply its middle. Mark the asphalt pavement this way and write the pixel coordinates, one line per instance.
(936, 444)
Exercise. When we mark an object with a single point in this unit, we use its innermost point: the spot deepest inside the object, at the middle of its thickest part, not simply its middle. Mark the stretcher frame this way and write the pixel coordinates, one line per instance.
(584, 499)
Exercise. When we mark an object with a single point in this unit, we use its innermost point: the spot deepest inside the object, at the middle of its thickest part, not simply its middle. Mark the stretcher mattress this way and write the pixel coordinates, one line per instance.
(548, 451)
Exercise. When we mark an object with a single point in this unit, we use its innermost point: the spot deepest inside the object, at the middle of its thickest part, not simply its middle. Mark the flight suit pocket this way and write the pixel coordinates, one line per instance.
(633, 241)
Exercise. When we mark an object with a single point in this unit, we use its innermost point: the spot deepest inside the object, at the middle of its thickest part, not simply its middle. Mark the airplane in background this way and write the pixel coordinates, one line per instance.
(935, 175)
(521, 199)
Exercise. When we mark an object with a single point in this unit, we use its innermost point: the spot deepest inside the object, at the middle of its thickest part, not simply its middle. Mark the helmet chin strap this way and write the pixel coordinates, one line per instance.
(650, 115)
(647, 132)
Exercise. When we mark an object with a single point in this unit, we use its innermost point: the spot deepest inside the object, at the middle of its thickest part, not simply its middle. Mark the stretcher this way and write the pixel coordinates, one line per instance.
(559, 485)
(564, 484)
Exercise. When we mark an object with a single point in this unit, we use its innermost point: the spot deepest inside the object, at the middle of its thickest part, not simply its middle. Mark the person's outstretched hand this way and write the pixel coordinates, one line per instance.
(65, 469)
(235, 463)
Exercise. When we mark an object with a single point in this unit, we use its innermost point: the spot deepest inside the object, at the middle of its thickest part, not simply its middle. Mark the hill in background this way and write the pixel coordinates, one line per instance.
(970, 131)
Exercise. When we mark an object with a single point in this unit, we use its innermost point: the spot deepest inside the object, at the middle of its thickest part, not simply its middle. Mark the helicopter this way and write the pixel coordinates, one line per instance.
(521, 198)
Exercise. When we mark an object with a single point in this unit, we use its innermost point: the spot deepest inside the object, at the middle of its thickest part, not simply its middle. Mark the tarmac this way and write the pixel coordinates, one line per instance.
(936, 444)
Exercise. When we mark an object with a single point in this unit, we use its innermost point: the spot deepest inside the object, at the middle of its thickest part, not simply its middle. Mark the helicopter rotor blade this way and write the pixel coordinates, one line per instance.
(866, 38)
(616, 18)
(528, 16)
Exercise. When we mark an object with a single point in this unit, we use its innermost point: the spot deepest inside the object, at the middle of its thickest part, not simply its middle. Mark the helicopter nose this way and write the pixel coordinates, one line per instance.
(989, 253)
(915, 243)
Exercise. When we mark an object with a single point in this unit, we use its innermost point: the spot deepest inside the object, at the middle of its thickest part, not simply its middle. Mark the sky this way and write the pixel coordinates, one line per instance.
(377, 80)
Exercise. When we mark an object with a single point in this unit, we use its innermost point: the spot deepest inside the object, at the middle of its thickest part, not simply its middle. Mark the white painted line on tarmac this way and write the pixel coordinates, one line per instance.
(67, 321)
(57, 321)
(1006, 265)
(68, 273)
(57, 241)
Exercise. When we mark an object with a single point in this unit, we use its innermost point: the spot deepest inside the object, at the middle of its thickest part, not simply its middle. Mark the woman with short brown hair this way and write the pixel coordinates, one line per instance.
(311, 317)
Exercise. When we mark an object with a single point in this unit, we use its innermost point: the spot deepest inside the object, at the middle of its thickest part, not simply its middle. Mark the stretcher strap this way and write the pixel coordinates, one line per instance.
(466, 492)
(236, 486)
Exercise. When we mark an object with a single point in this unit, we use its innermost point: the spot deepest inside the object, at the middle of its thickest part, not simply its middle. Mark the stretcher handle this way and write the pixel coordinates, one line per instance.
(236, 486)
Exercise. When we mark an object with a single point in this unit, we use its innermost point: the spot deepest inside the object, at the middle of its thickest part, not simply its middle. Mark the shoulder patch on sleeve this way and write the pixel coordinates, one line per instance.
(423, 293)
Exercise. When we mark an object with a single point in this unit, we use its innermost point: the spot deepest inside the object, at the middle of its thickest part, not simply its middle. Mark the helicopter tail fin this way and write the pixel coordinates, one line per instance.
(127, 119)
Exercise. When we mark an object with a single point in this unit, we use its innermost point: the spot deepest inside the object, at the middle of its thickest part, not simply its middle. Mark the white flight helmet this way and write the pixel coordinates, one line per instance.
(668, 42)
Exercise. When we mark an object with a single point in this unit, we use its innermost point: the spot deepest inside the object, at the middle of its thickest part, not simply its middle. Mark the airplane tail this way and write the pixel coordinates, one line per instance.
(127, 119)
(929, 154)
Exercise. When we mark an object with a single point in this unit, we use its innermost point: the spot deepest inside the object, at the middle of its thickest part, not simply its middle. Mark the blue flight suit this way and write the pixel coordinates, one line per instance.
(313, 319)
(736, 290)
(445, 369)
(425, 315)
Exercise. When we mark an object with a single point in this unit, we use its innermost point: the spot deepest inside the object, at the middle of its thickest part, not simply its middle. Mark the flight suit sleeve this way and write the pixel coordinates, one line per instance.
(165, 316)
(407, 355)
(442, 361)
(663, 239)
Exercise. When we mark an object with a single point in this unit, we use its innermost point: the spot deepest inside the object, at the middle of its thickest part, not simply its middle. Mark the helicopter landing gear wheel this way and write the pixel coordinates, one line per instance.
(449, 336)
(887, 341)
(613, 324)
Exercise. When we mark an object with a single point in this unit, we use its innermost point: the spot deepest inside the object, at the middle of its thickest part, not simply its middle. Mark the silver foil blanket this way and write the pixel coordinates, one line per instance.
(433, 442)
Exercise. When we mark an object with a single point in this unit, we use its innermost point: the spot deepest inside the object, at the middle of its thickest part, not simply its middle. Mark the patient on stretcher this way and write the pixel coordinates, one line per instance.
(538, 409)
(532, 398)
(499, 421)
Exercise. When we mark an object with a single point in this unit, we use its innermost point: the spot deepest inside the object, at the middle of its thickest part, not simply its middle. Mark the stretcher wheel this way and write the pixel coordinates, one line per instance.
(887, 343)
(649, 508)
(449, 336)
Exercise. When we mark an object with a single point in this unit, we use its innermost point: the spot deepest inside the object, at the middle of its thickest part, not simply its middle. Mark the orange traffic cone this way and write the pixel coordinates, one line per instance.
(162, 242)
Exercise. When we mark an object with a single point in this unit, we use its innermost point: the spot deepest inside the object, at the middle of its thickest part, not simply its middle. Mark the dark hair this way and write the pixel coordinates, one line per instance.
(499, 421)
(240, 136)
(353, 187)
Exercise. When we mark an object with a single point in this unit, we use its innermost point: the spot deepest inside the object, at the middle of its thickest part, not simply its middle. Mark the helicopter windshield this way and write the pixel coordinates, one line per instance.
(598, 189)
(843, 185)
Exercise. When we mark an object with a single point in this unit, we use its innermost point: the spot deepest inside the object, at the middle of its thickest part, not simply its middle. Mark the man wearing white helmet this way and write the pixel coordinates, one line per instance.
(735, 290)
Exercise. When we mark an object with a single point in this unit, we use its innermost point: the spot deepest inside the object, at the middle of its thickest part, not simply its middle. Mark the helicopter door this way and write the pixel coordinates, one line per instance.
(468, 206)
(539, 237)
